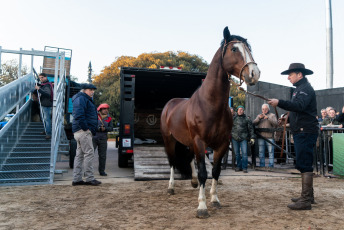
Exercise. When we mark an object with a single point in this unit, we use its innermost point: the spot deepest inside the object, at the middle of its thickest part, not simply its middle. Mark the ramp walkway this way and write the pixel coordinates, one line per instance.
(25, 156)
(151, 163)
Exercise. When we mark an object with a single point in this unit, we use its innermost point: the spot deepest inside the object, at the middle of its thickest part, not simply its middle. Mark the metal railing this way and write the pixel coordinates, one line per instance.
(14, 93)
(12, 96)
(325, 148)
(323, 151)
(11, 132)
(58, 112)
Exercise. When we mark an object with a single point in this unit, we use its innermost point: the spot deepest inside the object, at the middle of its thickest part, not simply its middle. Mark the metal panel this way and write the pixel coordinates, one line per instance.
(330, 97)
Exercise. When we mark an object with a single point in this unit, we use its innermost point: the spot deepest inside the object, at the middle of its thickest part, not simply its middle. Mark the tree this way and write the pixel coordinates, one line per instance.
(10, 72)
(73, 78)
(108, 81)
(238, 95)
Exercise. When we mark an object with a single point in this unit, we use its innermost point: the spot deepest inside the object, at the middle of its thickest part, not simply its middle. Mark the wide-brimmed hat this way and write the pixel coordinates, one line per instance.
(297, 67)
(88, 86)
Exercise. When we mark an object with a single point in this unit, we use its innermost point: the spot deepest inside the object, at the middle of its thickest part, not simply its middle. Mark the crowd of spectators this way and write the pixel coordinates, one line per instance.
(242, 133)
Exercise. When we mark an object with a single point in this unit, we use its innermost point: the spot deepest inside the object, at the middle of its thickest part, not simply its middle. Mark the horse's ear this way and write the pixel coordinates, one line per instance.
(226, 34)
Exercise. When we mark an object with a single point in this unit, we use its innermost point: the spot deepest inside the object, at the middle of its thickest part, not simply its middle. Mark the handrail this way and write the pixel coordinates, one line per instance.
(10, 133)
(58, 111)
(14, 93)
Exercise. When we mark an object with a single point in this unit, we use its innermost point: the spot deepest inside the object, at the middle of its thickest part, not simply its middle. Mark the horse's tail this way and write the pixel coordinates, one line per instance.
(183, 158)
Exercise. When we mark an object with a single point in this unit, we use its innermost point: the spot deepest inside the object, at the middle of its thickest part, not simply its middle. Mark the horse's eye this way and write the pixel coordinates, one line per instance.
(234, 49)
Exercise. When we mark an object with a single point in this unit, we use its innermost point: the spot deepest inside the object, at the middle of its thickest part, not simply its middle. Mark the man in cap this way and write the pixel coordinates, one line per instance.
(304, 127)
(105, 125)
(45, 90)
(84, 126)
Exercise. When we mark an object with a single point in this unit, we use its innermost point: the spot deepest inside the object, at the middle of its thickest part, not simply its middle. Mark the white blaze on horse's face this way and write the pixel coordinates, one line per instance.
(250, 72)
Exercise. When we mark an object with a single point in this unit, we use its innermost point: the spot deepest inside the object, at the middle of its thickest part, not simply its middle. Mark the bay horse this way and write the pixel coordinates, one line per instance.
(189, 126)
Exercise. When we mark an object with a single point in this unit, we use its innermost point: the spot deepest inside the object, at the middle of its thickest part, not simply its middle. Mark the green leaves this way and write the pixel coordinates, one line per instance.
(238, 95)
(10, 72)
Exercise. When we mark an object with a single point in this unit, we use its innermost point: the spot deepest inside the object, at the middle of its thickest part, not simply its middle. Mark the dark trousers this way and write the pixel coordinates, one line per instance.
(304, 145)
(102, 148)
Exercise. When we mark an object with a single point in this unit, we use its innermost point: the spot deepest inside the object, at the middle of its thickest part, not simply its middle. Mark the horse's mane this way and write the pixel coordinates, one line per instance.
(236, 38)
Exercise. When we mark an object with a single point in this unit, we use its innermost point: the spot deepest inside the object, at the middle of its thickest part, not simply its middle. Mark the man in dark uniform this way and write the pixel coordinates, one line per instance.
(304, 127)
(105, 125)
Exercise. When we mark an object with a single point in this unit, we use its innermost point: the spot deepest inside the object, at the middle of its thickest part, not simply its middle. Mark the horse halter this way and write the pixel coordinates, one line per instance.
(224, 49)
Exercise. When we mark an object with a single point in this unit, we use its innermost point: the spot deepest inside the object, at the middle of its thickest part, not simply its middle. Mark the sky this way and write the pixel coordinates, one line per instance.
(280, 32)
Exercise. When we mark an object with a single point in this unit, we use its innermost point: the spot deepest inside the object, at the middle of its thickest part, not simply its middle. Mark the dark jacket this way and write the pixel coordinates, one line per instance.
(303, 108)
(330, 120)
(46, 91)
(340, 117)
(84, 113)
(242, 128)
(108, 125)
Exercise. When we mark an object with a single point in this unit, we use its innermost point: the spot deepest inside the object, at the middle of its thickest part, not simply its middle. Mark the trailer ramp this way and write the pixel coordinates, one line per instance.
(151, 163)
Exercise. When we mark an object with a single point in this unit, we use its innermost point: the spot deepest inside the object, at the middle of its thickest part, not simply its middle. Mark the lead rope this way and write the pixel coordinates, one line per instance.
(284, 130)
(246, 92)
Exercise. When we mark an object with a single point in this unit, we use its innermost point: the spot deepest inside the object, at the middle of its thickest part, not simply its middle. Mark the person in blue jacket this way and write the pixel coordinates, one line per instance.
(304, 127)
(84, 126)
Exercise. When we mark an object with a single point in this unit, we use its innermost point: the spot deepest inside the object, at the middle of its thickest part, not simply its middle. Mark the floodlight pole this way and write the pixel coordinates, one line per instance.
(89, 73)
(329, 46)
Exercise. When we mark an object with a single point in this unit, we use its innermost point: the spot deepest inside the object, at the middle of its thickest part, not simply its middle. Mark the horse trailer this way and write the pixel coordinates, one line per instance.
(144, 93)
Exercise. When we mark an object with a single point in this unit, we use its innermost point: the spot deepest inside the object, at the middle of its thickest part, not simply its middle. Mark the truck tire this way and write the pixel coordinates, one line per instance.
(72, 152)
(122, 161)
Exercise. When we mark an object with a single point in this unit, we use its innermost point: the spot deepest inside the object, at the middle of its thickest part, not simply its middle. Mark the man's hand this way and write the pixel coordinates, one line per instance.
(37, 87)
(261, 116)
(252, 141)
(273, 102)
(343, 109)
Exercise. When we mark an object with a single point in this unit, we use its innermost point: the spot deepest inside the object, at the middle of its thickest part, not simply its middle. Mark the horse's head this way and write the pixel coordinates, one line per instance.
(237, 59)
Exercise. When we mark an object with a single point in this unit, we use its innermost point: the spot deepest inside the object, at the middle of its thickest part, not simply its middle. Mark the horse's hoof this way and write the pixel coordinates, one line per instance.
(202, 213)
(194, 183)
(216, 204)
(170, 191)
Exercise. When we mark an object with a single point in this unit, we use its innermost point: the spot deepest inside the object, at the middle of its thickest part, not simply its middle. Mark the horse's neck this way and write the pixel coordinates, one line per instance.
(216, 85)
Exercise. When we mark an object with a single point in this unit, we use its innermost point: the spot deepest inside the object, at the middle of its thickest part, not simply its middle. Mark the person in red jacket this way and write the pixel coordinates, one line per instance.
(105, 125)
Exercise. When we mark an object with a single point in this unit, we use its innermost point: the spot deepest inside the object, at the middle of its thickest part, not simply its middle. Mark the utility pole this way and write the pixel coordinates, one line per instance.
(329, 46)
(89, 73)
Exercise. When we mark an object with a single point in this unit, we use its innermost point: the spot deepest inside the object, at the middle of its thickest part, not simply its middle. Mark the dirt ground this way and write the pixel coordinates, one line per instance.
(248, 202)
